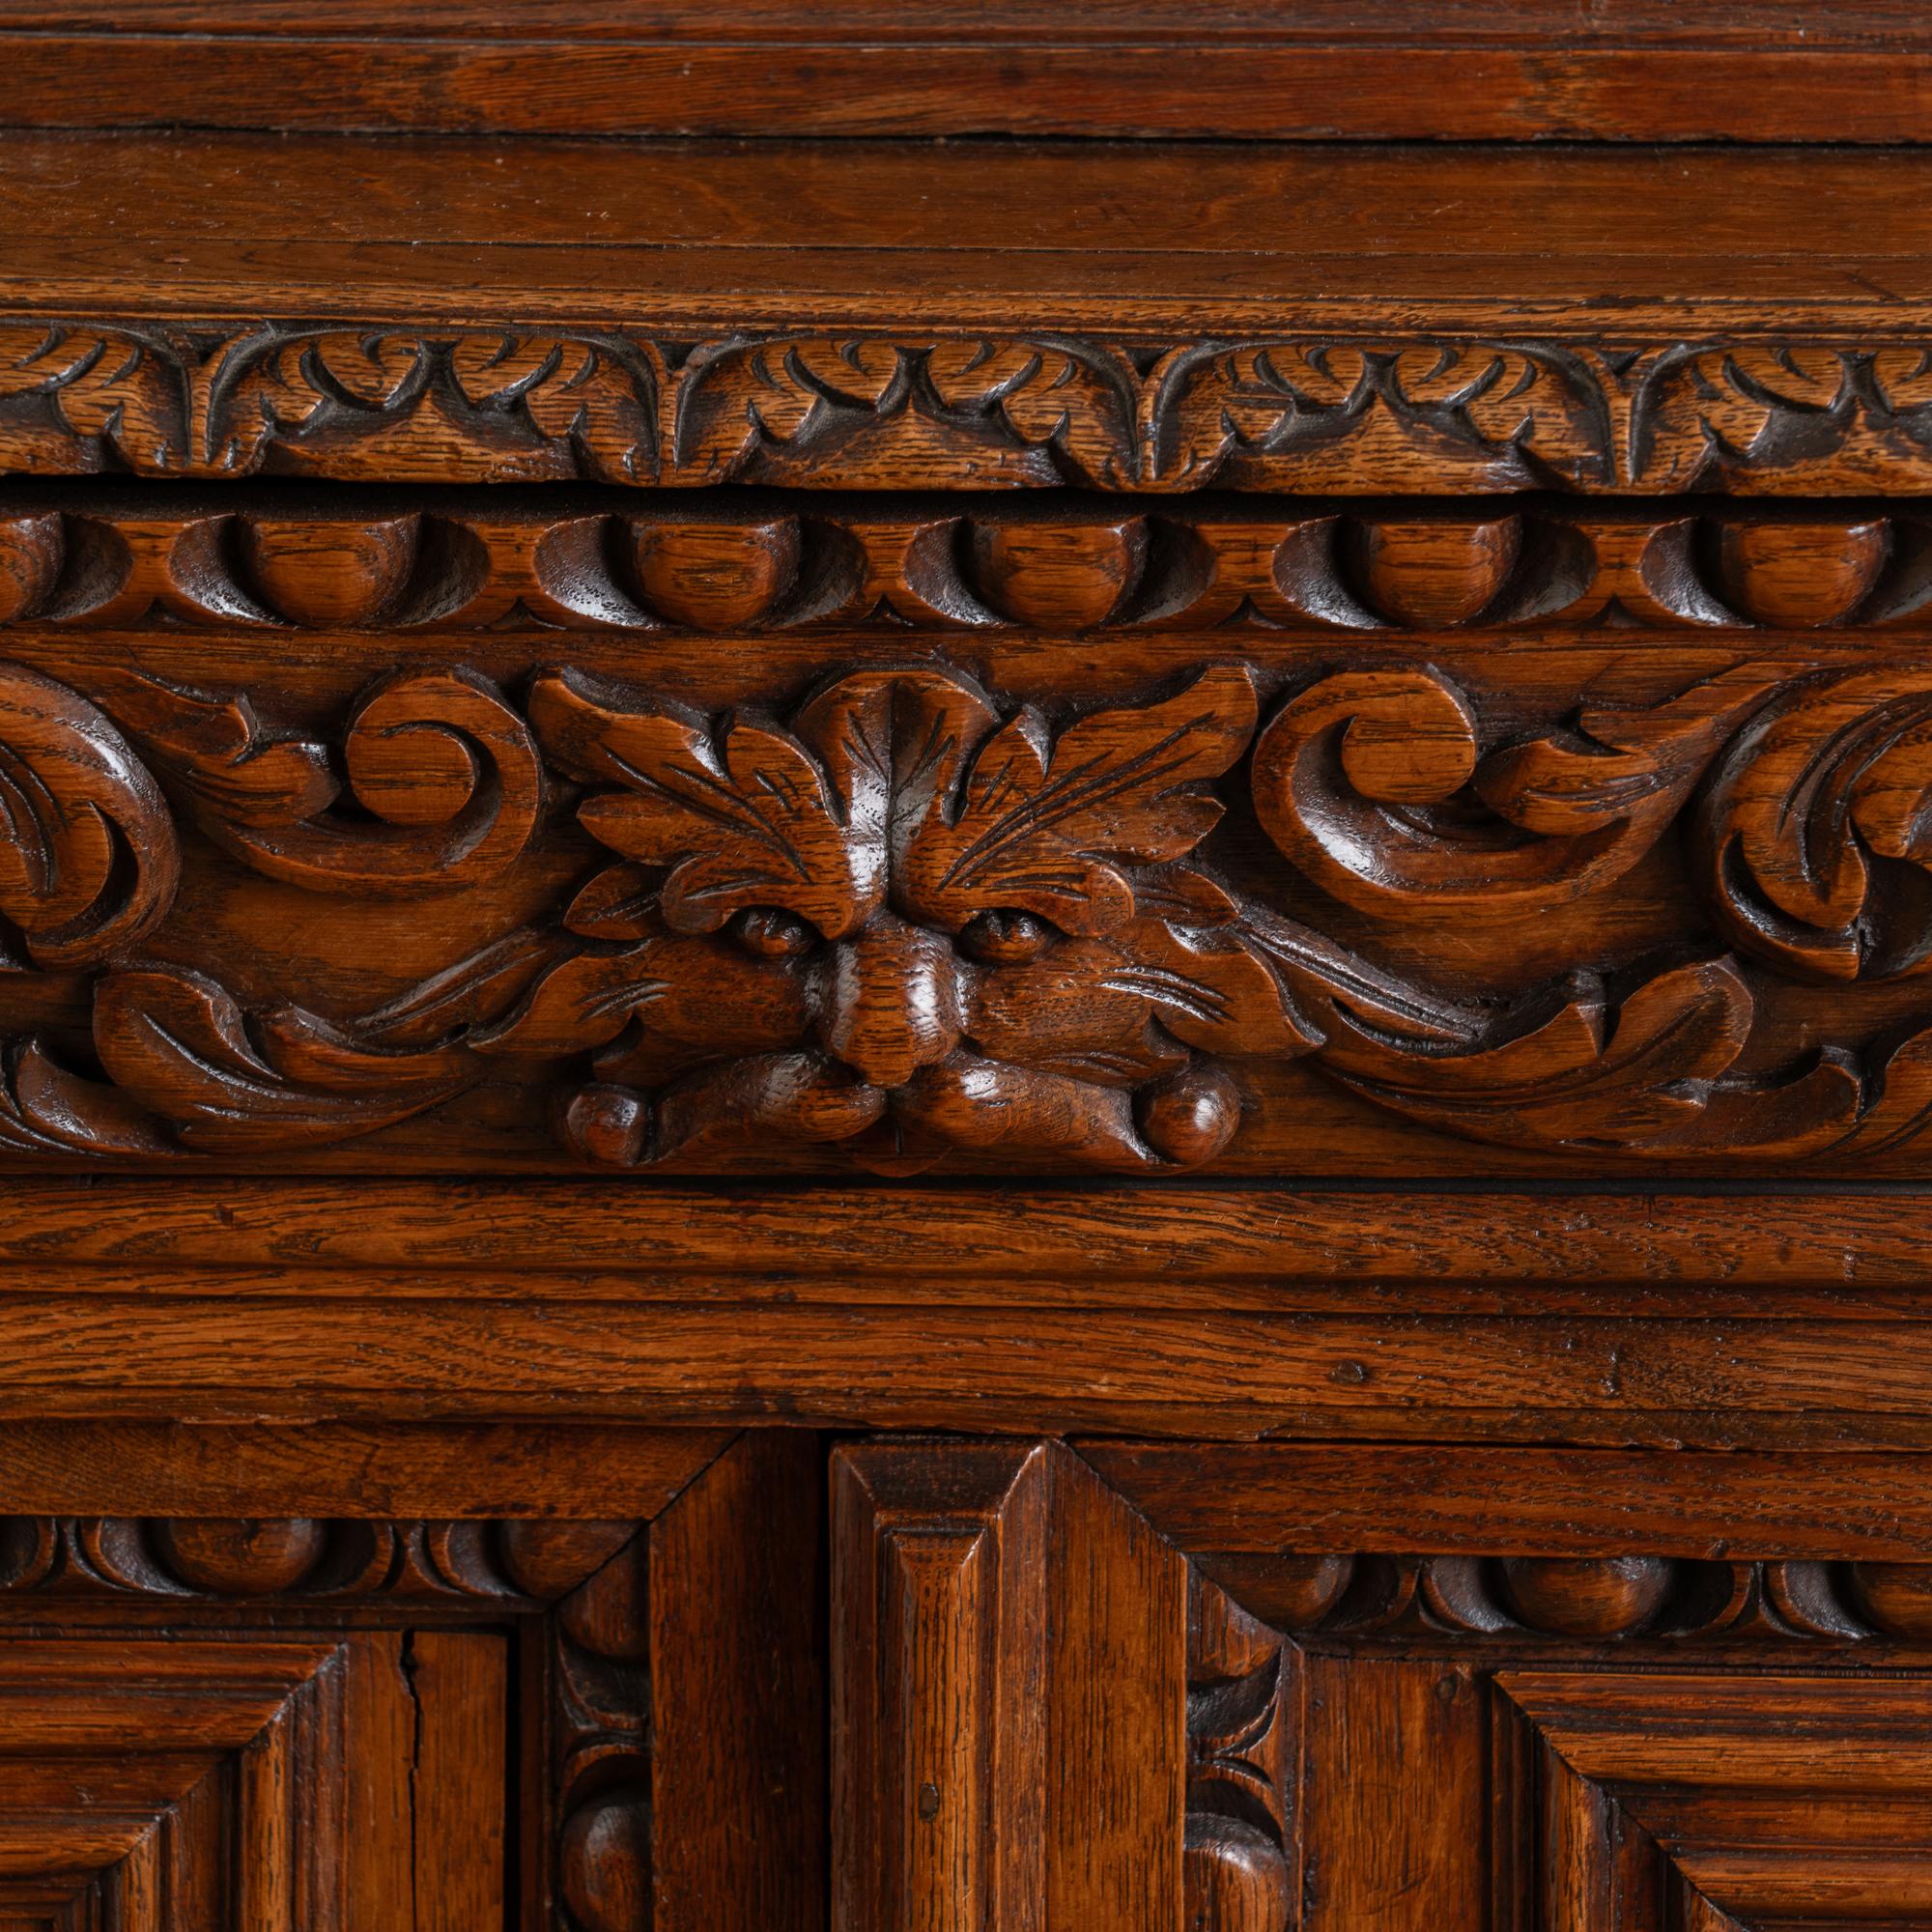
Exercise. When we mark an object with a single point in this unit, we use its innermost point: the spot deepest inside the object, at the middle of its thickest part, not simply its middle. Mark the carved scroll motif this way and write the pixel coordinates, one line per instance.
(1374, 784)
(87, 858)
(444, 772)
(1814, 839)
(909, 919)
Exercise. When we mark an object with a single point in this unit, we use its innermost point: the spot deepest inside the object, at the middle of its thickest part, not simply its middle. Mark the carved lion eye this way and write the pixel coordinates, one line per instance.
(769, 932)
(1006, 937)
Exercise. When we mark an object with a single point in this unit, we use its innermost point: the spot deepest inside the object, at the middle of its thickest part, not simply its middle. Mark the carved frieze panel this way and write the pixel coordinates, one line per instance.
(693, 886)
(385, 401)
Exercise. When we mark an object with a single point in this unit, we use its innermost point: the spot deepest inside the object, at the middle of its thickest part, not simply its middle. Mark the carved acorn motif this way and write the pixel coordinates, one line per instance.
(1896, 1598)
(1585, 1597)
(239, 1556)
(717, 575)
(32, 549)
(326, 573)
(1431, 574)
(1056, 577)
(1798, 577)
(1190, 1116)
(1233, 1875)
(605, 1860)
(547, 1559)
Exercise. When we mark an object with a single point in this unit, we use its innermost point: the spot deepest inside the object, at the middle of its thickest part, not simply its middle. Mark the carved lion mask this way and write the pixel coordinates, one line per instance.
(905, 922)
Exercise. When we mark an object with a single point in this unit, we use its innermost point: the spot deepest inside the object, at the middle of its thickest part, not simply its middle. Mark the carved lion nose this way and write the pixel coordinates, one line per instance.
(892, 1002)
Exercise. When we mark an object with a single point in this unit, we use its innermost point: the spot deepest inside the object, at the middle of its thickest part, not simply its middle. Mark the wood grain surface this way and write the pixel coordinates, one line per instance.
(463, 309)
(1763, 73)
(906, 1032)
(1496, 840)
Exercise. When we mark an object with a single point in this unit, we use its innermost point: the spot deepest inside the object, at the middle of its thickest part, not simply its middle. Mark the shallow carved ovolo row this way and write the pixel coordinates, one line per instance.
(1241, 1743)
(725, 563)
(1298, 411)
(1581, 1600)
(510, 1562)
(911, 919)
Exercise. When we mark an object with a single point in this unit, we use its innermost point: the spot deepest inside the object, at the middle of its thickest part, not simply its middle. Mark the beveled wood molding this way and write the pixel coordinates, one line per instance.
(1405, 72)
(314, 1708)
(1459, 411)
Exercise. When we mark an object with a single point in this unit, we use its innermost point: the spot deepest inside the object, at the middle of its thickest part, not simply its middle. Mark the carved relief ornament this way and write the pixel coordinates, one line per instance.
(392, 403)
(909, 918)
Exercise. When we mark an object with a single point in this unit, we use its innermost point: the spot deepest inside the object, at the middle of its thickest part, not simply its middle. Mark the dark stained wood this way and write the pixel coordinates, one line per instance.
(1029, 1768)
(1263, 1498)
(232, 1359)
(344, 1469)
(1764, 72)
(738, 1797)
(910, 1035)
(1370, 1853)
(1653, 1252)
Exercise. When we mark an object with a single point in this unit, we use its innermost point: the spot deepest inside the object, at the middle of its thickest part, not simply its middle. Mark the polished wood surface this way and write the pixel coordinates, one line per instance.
(965, 1034)
(1140, 318)
(1364, 840)
(1603, 69)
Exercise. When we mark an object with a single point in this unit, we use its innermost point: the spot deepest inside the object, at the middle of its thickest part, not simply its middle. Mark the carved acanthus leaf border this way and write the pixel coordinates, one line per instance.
(909, 918)
(391, 402)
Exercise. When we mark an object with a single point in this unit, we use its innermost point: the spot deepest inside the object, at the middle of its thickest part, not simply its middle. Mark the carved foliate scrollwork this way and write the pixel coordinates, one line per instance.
(87, 397)
(88, 857)
(444, 772)
(1297, 412)
(1351, 775)
(908, 918)
(1812, 837)
(1724, 414)
(578, 403)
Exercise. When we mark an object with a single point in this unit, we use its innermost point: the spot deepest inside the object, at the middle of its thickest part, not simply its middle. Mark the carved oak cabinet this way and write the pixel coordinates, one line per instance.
(965, 971)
